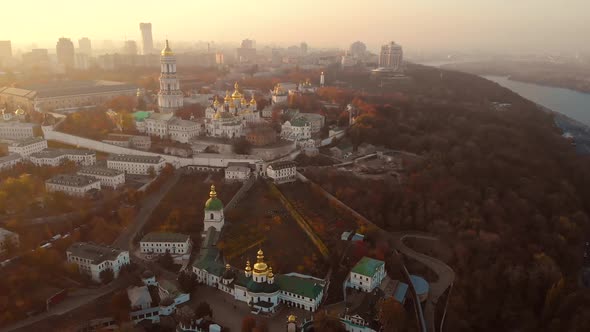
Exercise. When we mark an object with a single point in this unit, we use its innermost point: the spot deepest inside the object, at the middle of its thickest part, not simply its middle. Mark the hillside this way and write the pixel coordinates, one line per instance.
(502, 188)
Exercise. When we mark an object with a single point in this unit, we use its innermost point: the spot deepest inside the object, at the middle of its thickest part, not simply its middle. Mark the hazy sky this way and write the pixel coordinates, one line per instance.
(518, 25)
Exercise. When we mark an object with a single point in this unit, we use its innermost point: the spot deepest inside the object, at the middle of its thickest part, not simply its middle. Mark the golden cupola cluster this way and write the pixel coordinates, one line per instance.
(236, 95)
(216, 102)
(260, 266)
(248, 267)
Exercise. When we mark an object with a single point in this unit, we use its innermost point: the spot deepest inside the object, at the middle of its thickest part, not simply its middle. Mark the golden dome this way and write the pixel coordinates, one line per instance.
(278, 89)
(236, 94)
(270, 274)
(227, 98)
(291, 319)
(248, 268)
(252, 101)
(244, 101)
(167, 51)
(217, 115)
(216, 102)
(19, 111)
(260, 266)
(138, 93)
(227, 266)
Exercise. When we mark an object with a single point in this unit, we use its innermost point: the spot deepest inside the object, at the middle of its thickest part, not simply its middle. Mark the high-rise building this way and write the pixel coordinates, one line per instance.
(391, 57)
(37, 57)
(5, 49)
(170, 95)
(247, 51)
(85, 46)
(130, 47)
(303, 48)
(358, 49)
(65, 52)
(146, 38)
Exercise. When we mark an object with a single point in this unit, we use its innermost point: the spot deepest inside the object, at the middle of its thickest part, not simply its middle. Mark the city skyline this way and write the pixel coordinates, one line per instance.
(527, 26)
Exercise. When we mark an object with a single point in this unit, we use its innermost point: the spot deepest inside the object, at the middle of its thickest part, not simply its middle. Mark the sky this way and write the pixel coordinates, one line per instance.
(503, 26)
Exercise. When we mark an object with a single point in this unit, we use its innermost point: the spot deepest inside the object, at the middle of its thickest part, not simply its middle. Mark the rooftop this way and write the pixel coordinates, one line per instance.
(367, 266)
(27, 141)
(68, 88)
(56, 153)
(131, 158)
(282, 164)
(71, 180)
(96, 253)
(165, 237)
(306, 287)
(102, 171)
(10, 157)
(139, 296)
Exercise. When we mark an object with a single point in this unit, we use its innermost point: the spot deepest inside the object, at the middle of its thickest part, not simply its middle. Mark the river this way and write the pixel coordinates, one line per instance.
(573, 104)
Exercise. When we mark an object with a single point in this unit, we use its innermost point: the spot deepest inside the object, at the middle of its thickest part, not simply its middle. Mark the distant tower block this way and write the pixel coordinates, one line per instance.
(170, 95)
(322, 80)
(146, 38)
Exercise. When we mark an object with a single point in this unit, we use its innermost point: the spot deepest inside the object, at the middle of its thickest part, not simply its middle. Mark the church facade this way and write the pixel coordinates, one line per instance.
(257, 284)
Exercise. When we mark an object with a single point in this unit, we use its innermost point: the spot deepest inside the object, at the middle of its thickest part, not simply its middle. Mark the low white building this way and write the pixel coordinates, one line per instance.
(18, 130)
(317, 121)
(158, 243)
(8, 239)
(73, 185)
(142, 305)
(296, 130)
(182, 131)
(129, 141)
(92, 259)
(367, 274)
(55, 157)
(135, 164)
(9, 161)
(237, 171)
(108, 177)
(27, 146)
(282, 171)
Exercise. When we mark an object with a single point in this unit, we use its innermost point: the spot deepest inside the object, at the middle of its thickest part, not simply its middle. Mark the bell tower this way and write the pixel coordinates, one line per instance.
(213, 212)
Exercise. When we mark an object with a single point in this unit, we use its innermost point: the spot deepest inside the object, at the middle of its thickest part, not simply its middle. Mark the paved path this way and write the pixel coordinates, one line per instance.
(148, 205)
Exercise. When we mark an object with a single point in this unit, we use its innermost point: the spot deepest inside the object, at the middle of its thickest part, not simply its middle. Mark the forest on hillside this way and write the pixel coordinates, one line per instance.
(504, 191)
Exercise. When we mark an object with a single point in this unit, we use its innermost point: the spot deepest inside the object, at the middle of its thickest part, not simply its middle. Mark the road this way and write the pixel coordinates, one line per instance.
(84, 296)
(72, 302)
(148, 205)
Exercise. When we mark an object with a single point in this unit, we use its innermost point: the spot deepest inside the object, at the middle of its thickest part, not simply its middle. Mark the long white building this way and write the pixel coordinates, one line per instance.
(92, 259)
(136, 164)
(18, 130)
(73, 185)
(54, 157)
(159, 243)
(9, 161)
(296, 130)
(108, 177)
(27, 146)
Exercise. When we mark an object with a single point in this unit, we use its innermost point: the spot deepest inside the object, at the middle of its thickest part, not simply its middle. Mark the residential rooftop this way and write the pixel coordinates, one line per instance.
(56, 153)
(71, 180)
(94, 252)
(282, 164)
(130, 158)
(165, 237)
(367, 266)
(27, 141)
(100, 171)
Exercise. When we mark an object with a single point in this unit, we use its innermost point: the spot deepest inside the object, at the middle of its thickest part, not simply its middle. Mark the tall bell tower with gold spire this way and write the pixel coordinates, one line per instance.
(170, 95)
(213, 212)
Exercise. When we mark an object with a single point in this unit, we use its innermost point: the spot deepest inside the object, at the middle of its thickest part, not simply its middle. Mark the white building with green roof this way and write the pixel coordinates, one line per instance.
(159, 243)
(367, 274)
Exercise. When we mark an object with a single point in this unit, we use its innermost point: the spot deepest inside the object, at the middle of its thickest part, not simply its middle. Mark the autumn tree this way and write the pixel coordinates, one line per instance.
(248, 324)
(106, 276)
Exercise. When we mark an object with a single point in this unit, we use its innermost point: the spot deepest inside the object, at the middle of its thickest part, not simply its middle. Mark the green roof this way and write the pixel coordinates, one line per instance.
(301, 286)
(213, 204)
(208, 261)
(141, 115)
(255, 287)
(367, 266)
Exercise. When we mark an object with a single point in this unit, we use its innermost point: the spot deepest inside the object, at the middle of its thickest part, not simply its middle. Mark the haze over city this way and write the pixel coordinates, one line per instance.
(421, 25)
(298, 166)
